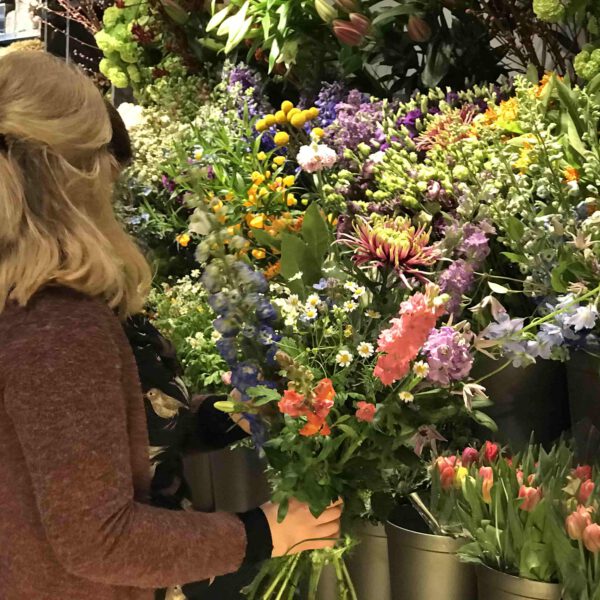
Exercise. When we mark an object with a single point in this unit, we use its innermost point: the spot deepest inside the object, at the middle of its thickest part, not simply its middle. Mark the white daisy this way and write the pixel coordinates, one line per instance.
(313, 300)
(344, 358)
(350, 286)
(373, 314)
(311, 313)
(359, 292)
(365, 349)
(350, 306)
(421, 369)
(406, 397)
(293, 301)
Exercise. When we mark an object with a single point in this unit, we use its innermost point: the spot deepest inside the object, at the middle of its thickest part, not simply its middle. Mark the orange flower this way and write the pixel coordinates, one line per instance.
(273, 270)
(259, 253)
(255, 221)
(571, 174)
(183, 239)
(315, 425)
(324, 390)
(292, 404)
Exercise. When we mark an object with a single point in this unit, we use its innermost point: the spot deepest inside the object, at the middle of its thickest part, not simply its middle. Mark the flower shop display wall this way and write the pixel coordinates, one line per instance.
(360, 224)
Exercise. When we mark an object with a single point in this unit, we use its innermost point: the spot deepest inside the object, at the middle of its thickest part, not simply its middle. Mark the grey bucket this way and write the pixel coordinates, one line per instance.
(425, 566)
(495, 585)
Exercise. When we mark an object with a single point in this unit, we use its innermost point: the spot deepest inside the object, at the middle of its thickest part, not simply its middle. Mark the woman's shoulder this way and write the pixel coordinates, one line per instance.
(53, 315)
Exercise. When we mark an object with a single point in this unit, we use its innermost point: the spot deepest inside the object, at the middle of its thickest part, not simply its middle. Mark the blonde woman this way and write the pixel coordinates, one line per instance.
(74, 466)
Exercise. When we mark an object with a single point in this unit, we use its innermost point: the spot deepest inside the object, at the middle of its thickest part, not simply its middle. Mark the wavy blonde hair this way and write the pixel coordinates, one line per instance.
(57, 224)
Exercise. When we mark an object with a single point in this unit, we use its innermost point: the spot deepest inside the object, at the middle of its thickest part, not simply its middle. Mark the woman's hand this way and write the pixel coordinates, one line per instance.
(301, 531)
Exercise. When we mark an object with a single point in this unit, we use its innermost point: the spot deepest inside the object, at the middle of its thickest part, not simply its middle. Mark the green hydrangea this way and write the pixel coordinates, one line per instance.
(112, 15)
(551, 11)
(587, 63)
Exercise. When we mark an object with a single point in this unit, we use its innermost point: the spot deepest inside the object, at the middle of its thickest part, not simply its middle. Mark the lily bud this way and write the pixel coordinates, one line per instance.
(360, 22)
(347, 33)
(418, 29)
(326, 10)
(348, 5)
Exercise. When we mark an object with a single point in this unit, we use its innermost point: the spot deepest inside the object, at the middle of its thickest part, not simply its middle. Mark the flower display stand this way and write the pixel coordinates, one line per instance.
(495, 585)
(425, 566)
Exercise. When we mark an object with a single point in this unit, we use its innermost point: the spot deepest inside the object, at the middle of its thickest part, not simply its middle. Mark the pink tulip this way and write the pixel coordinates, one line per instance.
(491, 451)
(445, 461)
(577, 521)
(469, 456)
(531, 497)
(583, 472)
(447, 477)
(591, 538)
(585, 491)
(520, 476)
(487, 474)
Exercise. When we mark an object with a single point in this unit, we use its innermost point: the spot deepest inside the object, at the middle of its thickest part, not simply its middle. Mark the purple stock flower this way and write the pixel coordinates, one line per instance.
(475, 243)
(329, 97)
(448, 355)
(410, 121)
(456, 281)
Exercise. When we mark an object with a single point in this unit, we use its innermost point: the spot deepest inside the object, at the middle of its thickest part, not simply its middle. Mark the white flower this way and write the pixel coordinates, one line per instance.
(365, 349)
(198, 154)
(293, 301)
(132, 115)
(215, 336)
(359, 292)
(297, 276)
(350, 286)
(344, 358)
(584, 318)
(313, 300)
(195, 273)
(406, 397)
(377, 157)
(316, 157)
(421, 369)
(350, 305)
(373, 314)
(311, 313)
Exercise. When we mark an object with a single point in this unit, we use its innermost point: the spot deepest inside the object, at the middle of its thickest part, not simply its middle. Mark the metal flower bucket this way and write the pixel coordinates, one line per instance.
(495, 585)
(425, 566)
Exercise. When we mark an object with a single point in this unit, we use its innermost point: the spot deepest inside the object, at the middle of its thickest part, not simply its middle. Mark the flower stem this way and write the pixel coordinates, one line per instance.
(495, 372)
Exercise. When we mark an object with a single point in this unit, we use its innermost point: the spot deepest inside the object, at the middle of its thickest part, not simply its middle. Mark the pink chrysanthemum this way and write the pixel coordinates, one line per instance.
(402, 342)
(392, 243)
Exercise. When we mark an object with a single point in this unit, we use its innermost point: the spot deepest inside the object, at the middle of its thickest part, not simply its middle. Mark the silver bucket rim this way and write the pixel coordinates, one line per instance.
(430, 542)
(519, 586)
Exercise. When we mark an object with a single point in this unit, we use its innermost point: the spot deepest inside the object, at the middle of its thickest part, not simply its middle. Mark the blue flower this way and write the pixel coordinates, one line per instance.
(226, 327)
(227, 350)
(249, 331)
(266, 311)
(322, 285)
(220, 303)
(244, 376)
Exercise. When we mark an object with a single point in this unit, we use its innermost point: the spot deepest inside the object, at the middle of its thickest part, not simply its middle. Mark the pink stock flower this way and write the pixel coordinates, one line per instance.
(591, 538)
(585, 491)
(402, 342)
(577, 521)
(491, 451)
(487, 476)
(366, 411)
(469, 456)
(531, 497)
(583, 472)
(292, 404)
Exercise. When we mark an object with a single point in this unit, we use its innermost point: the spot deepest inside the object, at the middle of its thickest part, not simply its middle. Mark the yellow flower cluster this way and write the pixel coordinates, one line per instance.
(288, 115)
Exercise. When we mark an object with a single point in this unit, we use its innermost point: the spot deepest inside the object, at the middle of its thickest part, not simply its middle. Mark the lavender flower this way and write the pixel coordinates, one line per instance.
(475, 243)
(448, 355)
(456, 281)
(329, 97)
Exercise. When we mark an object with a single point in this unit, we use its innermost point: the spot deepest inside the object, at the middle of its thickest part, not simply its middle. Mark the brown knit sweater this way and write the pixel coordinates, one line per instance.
(74, 467)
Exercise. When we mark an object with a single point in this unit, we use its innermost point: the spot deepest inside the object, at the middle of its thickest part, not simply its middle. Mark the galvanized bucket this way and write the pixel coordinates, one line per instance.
(425, 566)
(495, 585)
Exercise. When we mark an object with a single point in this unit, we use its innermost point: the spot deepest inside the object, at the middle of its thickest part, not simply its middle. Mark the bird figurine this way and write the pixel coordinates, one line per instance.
(165, 406)
(175, 593)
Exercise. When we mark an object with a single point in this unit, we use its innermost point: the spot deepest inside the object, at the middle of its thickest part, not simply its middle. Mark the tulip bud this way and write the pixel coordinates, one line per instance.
(591, 538)
(531, 497)
(360, 22)
(469, 456)
(348, 5)
(491, 451)
(447, 477)
(461, 473)
(487, 474)
(576, 523)
(347, 33)
(326, 10)
(585, 491)
(418, 29)
(583, 472)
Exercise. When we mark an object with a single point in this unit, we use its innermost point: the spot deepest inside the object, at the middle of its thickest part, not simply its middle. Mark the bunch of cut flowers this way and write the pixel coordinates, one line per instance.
(347, 365)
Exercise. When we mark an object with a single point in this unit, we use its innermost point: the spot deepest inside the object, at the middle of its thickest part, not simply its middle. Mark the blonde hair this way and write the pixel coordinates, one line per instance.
(57, 224)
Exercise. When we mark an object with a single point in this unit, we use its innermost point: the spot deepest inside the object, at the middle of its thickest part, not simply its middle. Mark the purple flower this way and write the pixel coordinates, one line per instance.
(245, 375)
(168, 184)
(410, 121)
(475, 243)
(448, 355)
(329, 97)
(456, 281)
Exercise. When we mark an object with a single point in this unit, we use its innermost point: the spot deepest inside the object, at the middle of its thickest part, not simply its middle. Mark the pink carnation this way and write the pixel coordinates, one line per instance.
(316, 157)
(402, 342)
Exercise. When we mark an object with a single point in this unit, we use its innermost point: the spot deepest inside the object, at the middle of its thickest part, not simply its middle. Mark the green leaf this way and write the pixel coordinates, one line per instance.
(515, 228)
(315, 231)
(239, 27)
(568, 99)
(515, 258)
(274, 54)
(262, 395)
(557, 280)
(437, 65)
(218, 18)
(175, 11)
(388, 15)
(265, 239)
(484, 419)
(283, 12)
